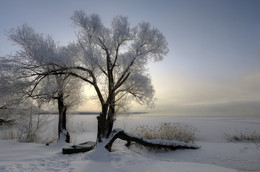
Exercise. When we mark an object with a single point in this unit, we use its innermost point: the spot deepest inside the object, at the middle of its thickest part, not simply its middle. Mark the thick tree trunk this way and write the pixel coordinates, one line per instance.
(105, 121)
(110, 119)
(62, 118)
(102, 123)
(172, 145)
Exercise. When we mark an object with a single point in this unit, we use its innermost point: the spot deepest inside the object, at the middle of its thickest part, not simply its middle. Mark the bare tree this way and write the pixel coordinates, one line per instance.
(111, 59)
(116, 58)
(39, 54)
(11, 92)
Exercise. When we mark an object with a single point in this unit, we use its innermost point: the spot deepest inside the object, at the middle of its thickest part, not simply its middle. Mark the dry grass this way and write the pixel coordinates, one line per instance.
(167, 131)
(246, 135)
(79, 127)
(27, 129)
(7, 133)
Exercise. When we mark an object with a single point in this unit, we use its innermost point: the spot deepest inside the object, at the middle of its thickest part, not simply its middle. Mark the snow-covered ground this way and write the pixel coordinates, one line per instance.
(215, 154)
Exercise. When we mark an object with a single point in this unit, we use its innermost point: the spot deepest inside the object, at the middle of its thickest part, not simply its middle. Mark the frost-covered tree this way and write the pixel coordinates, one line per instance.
(112, 59)
(38, 55)
(11, 92)
(115, 59)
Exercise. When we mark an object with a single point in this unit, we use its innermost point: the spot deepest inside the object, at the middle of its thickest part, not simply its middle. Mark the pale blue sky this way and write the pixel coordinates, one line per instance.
(213, 66)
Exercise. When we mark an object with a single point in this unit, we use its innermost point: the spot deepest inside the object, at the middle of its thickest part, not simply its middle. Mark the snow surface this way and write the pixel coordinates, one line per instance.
(215, 154)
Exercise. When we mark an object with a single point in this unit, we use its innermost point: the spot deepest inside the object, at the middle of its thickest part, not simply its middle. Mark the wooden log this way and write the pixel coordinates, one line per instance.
(167, 144)
(83, 147)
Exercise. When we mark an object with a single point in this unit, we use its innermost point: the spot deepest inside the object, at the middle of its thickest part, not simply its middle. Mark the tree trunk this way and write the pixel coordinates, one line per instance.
(106, 121)
(102, 123)
(166, 144)
(62, 118)
(110, 118)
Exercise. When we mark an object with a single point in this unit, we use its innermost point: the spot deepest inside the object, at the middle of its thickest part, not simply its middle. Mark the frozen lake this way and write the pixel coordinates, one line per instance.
(210, 129)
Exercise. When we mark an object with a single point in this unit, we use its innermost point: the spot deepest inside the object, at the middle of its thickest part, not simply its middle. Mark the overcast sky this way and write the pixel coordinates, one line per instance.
(213, 67)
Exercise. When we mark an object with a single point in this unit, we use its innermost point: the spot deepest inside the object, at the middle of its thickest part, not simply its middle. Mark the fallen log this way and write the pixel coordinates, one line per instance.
(83, 147)
(167, 144)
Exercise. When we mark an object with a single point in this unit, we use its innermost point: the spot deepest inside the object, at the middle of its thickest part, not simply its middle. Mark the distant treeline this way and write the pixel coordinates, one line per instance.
(87, 113)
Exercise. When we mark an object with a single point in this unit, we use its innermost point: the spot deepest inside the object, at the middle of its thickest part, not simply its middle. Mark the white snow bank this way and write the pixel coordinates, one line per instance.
(215, 153)
(221, 157)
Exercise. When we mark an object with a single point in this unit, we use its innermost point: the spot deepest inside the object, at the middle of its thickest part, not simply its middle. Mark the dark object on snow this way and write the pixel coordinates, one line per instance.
(7, 122)
(166, 144)
(82, 147)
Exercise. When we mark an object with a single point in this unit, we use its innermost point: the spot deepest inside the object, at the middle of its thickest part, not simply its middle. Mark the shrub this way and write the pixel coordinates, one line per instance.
(27, 129)
(246, 135)
(7, 133)
(167, 131)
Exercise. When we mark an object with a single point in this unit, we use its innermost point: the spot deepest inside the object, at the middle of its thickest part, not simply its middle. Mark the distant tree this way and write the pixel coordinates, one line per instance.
(39, 54)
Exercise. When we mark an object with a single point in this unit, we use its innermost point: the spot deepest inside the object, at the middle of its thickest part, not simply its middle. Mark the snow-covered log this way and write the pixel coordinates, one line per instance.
(156, 143)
